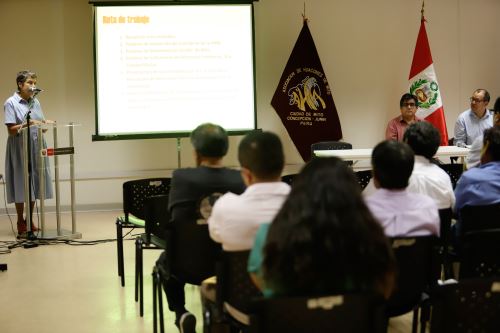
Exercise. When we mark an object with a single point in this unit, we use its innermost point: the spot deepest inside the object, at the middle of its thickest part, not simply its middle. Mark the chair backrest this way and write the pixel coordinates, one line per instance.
(191, 253)
(136, 192)
(445, 216)
(156, 216)
(340, 314)
(329, 145)
(288, 178)
(364, 178)
(234, 285)
(453, 170)
(472, 305)
(475, 218)
(418, 269)
(480, 241)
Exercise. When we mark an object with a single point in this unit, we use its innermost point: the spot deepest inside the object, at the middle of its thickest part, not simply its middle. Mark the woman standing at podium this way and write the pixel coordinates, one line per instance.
(16, 110)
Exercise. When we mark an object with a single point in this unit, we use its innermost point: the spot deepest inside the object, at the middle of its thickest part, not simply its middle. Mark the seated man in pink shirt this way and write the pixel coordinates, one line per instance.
(400, 212)
(396, 127)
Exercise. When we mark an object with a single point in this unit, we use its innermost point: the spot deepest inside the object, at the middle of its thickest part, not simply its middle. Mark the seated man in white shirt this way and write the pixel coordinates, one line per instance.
(428, 178)
(474, 157)
(236, 218)
(471, 123)
(400, 212)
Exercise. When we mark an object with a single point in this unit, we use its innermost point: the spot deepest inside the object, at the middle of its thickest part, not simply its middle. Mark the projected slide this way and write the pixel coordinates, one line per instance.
(167, 69)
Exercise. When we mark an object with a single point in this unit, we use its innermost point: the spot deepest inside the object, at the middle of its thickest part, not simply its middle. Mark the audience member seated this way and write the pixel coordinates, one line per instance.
(324, 240)
(477, 146)
(236, 218)
(481, 185)
(471, 123)
(400, 212)
(427, 178)
(396, 127)
(210, 143)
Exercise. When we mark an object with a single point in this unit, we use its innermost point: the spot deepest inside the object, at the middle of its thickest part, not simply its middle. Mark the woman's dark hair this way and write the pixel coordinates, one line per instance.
(324, 240)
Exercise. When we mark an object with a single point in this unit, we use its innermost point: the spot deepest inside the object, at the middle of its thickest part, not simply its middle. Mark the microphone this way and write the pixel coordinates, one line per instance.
(35, 90)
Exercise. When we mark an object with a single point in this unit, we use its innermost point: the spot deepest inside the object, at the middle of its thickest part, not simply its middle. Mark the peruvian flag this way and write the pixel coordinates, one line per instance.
(424, 85)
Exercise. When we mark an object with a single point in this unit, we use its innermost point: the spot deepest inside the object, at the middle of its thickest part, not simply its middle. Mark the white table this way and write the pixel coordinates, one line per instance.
(366, 153)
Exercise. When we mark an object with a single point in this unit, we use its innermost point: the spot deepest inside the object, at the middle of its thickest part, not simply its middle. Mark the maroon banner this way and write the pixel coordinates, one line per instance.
(303, 99)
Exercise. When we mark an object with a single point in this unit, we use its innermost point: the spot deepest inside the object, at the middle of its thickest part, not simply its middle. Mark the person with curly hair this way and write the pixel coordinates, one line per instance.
(324, 240)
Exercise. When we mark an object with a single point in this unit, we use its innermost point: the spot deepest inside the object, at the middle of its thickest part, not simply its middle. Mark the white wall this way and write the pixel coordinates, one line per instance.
(366, 48)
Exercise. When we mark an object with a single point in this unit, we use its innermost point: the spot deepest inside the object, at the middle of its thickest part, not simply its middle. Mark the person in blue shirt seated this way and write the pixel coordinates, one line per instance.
(324, 240)
(480, 186)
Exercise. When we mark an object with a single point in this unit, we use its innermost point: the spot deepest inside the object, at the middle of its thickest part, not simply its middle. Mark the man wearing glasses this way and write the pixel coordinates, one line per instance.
(477, 149)
(472, 122)
(396, 127)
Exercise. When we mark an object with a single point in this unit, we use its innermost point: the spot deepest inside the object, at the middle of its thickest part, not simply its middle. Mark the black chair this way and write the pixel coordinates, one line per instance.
(418, 270)
(288, 178)
(363, 178)
(445, 217)
(235, 290)
(472, 305)
(453, 159)
(479, 241)
(157, 299)
(135, 193)
(190, 253)
(454, 171)
(330, 145)
(340, 314)
(156, 217)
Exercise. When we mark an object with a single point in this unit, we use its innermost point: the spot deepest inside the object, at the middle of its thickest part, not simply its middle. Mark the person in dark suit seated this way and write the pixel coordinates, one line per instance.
(324, 240)
(203, 184)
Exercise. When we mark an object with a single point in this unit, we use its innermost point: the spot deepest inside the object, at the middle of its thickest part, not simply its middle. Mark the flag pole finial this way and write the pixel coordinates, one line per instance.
(304, 17)
(422, 11)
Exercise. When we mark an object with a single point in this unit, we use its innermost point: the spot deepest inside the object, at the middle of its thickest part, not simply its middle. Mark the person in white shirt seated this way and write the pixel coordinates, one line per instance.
(474, 157)
(236, 218)
(400, 212)
(427, 177)
(471, 123)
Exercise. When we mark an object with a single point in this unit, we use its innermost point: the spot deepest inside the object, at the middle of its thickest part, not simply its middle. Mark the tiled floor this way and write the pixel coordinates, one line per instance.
(63, 288)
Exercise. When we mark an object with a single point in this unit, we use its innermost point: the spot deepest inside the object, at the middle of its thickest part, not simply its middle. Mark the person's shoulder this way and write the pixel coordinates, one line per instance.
(228, 200)
(183, 173)
(464, 114)
(12, 99)
(231, 172)
(395, 119)
(437, 170)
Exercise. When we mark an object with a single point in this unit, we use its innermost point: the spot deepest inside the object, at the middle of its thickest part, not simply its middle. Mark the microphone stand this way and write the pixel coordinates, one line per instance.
(29, 234)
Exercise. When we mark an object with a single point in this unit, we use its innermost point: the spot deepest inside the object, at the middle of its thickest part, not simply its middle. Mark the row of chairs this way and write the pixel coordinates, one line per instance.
(158, 214)
(417, 290)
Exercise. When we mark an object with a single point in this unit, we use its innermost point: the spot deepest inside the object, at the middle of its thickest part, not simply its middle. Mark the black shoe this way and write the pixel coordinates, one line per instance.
(187, 323)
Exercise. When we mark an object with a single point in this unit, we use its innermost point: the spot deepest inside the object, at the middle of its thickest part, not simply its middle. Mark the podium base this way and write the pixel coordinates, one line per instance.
(65, 234)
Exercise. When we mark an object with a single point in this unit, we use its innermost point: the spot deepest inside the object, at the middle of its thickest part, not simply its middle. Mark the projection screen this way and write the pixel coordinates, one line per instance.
(163, 69)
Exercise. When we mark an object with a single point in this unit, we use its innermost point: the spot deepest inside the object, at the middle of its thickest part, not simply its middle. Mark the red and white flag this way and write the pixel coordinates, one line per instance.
(424, 85)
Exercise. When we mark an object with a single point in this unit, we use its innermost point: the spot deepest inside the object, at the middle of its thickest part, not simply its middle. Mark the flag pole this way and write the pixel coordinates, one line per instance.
(304, 17)
(422, 18)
